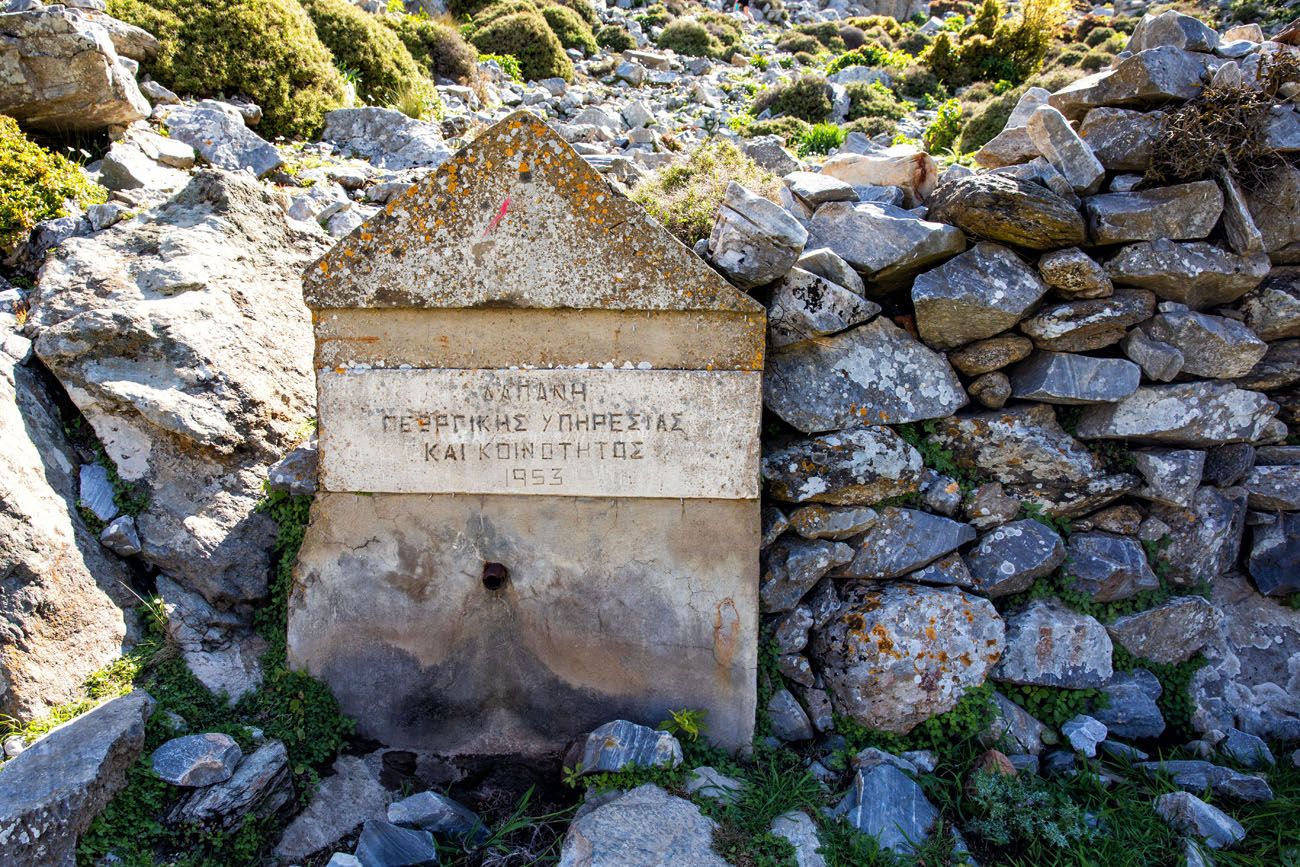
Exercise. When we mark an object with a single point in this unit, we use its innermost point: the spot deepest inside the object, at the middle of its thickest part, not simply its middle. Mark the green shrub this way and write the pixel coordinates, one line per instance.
(987, 120)
(570, 29)
(653, 16)
(852, 37)
(790, 129)
(1022, 811)
(875, 100)
(795, 42)
(529, 39)
(685, 196)
(807, 97)
(918, 82)
(689, 37)
(872, 126)
(501, 8)
(266, 50)
(821, 138)
(615, 38)
(1098, 36)
(889, 26)
(914, 44)
(460, 9)
(1069, 58)
(34, 183)
(725, 29)
(585, 11)
(942, 132)
(440, 50)
(360, 42)
(508, 62)
(827, 33)
(1095, 60)
(869, 55)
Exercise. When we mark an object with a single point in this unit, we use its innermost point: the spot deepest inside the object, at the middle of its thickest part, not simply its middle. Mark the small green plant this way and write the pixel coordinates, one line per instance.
(822, 138)
(870, 55)
(942, 132)
(35, 183)
(1036, 512)
(1051, 705)
(687, 724)
(615, 38)
(508, 62)
(1021, 811)
(922, 436)
(686, 195)
(875, 100)
(360, 41)
(807, 98)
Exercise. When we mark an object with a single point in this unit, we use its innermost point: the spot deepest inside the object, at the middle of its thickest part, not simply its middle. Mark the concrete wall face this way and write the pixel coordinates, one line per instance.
(502, 558)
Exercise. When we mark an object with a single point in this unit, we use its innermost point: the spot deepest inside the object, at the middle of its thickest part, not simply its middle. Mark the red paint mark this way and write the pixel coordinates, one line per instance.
(497, 219)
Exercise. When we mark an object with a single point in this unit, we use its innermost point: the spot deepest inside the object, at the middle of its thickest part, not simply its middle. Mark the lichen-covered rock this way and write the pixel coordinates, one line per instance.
(829, 522)
(986, 356)
(1065, 150)
(216, 130)
(1010, 558)
(619, 744)
(1197, 274)
(197, 760)
(1074, 274)
(1275, 210)
(386, 137)
(858, 466)
(1172, 475)
(794, 565)
(903, 540)
(1172, 28)
(1186, 414)
(1213, 347)
(1170, 633)
(62, 73)
(1188, 814)
(978, 294)
(1121, 138)
(260, 788)
(898, 653)
(1274, 551)
(1181, 212)
(873, 374)
(1013, 145)
(805, 306)
(1047, 644)
(1108, 567)
(1008, 210)
(1132, 711)
(647, 826)
(886, 244)
(1081, 326)
(1205, 537)
(1272, 310)
(1026, 450)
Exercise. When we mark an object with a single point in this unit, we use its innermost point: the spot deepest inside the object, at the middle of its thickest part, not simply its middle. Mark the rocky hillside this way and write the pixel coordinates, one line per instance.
(1031, 533)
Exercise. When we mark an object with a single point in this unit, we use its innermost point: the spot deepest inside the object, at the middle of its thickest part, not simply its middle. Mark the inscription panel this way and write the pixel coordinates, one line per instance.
(592, 433)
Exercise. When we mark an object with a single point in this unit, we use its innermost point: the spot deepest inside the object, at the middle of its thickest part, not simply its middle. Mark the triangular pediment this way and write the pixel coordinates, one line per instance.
(516, 219)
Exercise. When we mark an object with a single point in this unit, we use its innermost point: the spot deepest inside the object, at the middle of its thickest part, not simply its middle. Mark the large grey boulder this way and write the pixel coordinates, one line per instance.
(794, 565)
(1146, 79)
(620, 744)
(805, 306)
(1108, 567)
(1180, 212)
(895, 654)
(647, 827)
(185, 308)
(1121, 138)
(754, 241)
(260, 788)
(1025, 449)
(1011, 557)
(1047, 644)
(888, 805)
(216, 130)
(978, 294)
(1197, 274)
(62, 73)
(1213, 347)
(1188, 814)
(903, 540)
(1064, 378)
(1188, 414)
(53, 790)
(1204, 537)
(1174, 29)
(1008, 210)
(1082, 326)
(386, 137)
(873, 374)
(858, 466)
(1065, 150)
(886, 244)
(197, 760)
(64, 611)
(1132, 711)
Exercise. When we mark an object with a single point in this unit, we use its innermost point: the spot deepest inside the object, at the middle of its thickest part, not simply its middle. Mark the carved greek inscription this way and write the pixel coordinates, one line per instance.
(583, 433)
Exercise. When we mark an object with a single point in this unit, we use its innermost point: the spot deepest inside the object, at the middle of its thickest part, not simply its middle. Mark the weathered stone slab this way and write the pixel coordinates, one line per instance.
(1008, 210)
(545, 432)
(884, 243)
(856, 466)
(904, 540)
(1146, 79)
(1050, 645)
(1121, 138)
(1063, 378)
(1181, 212)
(647, 826)
(1196, 274)
(1188, 414)
(874, 374)
(1081, 326)
(978, 294)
